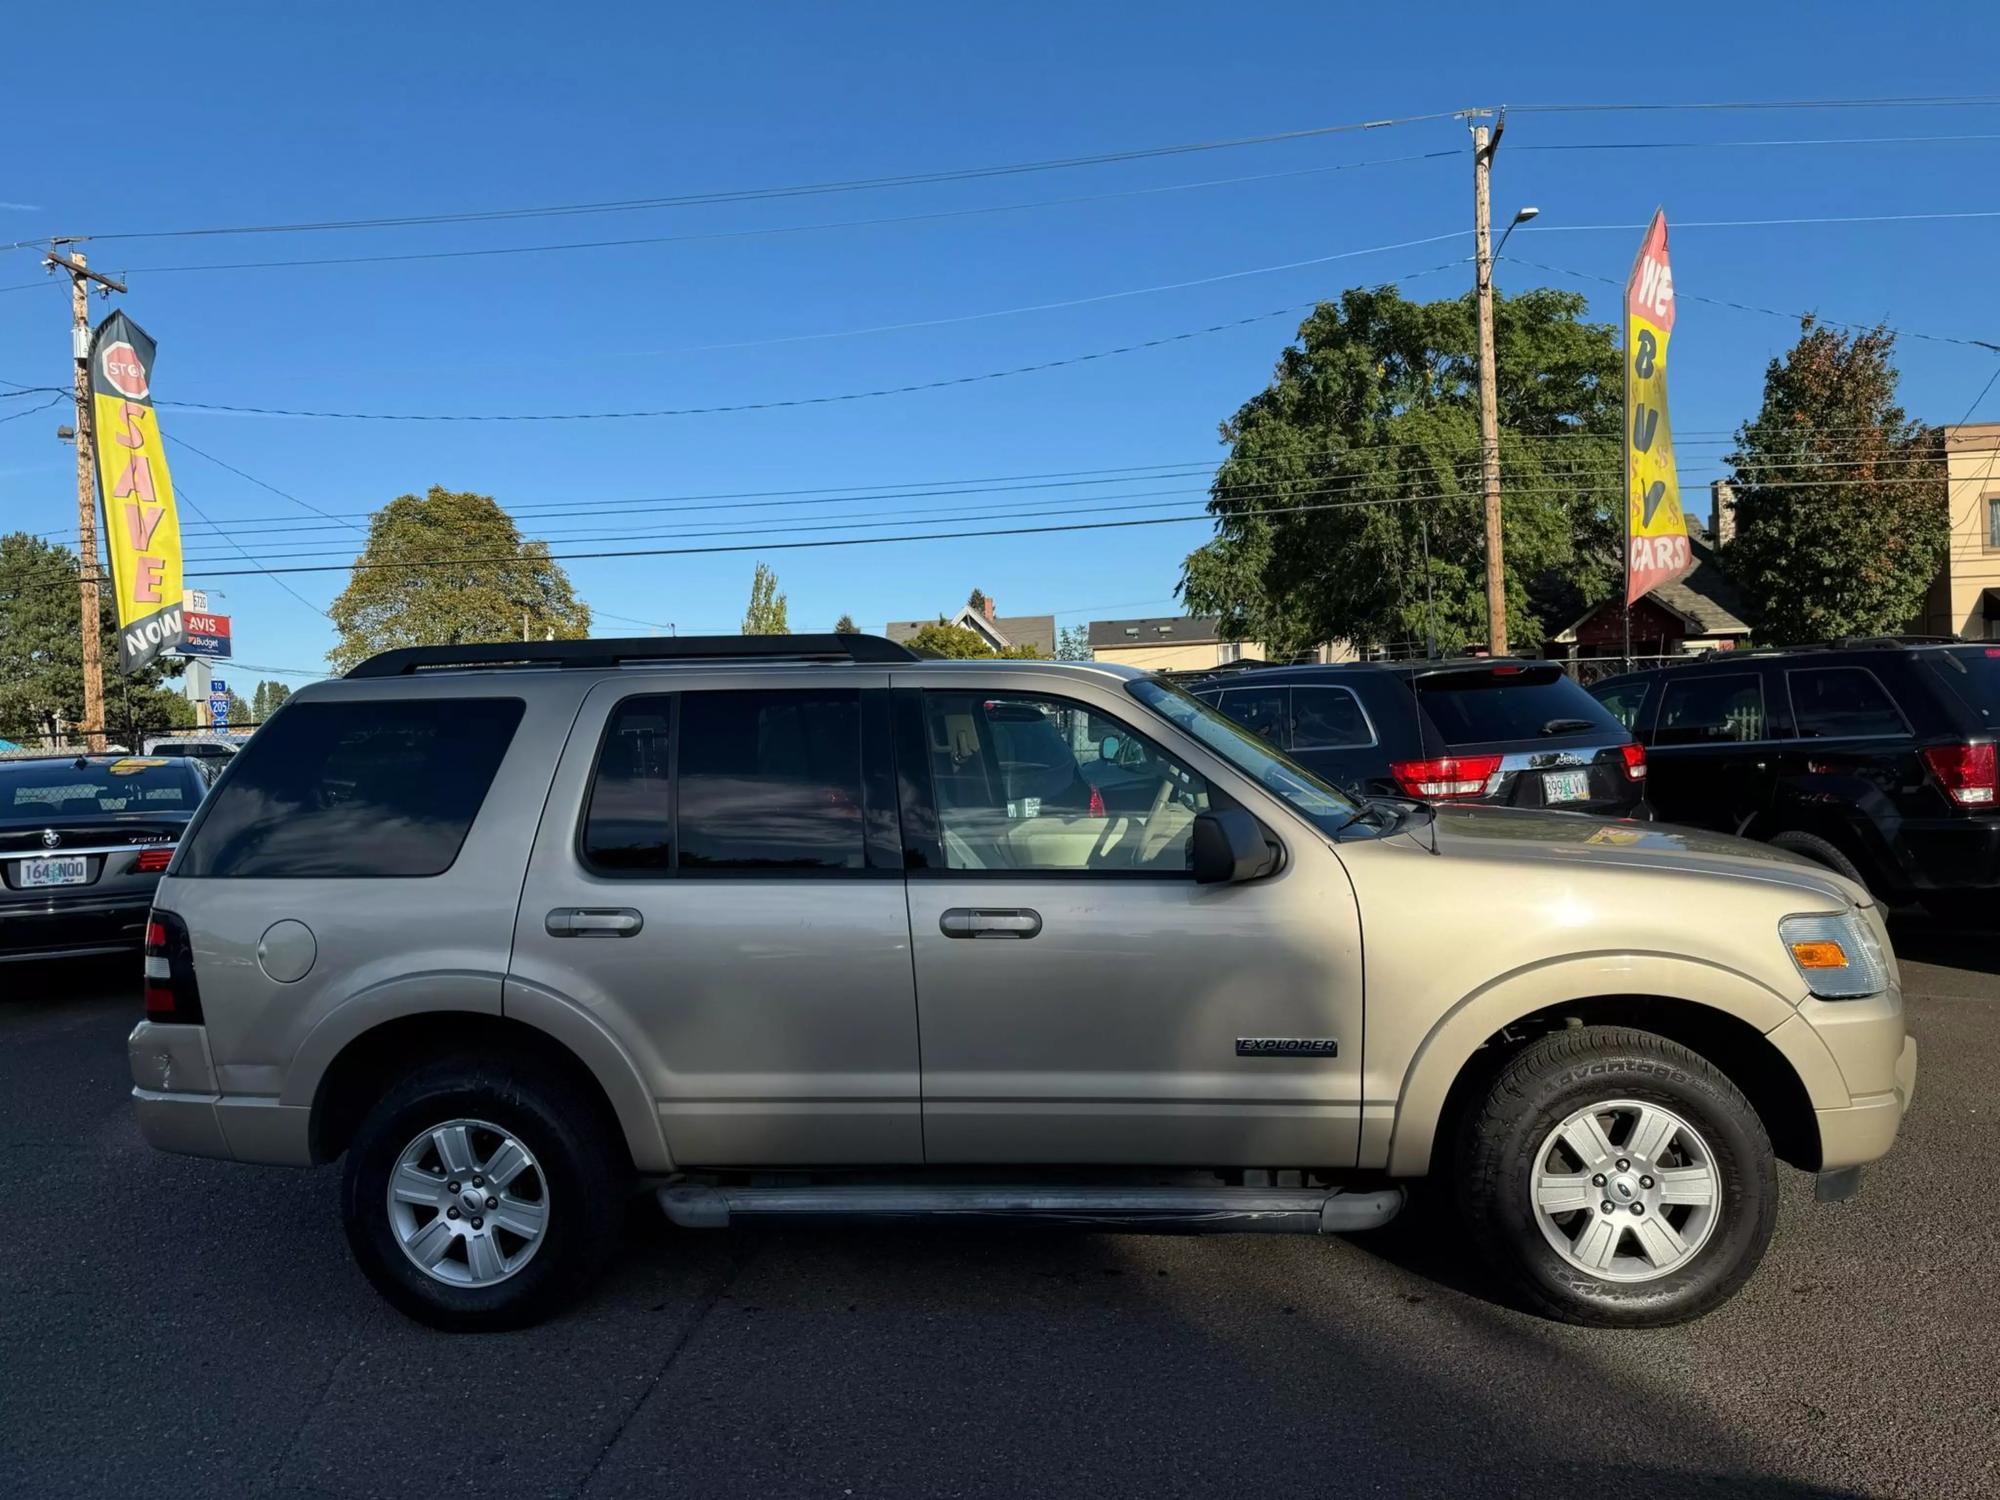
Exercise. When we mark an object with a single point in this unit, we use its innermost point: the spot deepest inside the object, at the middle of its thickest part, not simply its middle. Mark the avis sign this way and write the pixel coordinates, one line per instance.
(142, 529)
(1656, 540)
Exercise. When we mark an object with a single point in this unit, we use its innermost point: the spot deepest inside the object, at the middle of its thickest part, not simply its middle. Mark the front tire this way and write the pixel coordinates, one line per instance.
(1617, 1179)
(482, 1195)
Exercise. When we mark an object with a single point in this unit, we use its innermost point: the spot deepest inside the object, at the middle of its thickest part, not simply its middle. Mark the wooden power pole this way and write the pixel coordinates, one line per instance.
(81, 276)
(1483, 147)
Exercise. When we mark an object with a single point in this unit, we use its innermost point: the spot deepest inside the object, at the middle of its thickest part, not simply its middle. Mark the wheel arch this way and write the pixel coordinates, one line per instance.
(368, 1062)
(1786, 1074)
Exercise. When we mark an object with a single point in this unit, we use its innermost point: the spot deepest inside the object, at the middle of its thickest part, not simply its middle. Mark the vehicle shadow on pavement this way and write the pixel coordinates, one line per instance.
(1922, 939)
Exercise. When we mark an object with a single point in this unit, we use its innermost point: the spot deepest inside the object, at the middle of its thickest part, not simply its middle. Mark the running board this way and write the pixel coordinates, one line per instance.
(1228, 1210)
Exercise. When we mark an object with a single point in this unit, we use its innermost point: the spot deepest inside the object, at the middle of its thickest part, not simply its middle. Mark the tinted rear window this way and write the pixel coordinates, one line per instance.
(1973, 674)
(43, 791)
(1485, 707)
(1709, 710)
(354, 789)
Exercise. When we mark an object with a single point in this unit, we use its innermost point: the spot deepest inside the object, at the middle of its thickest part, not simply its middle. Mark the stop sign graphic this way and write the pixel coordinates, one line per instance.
(122, 370)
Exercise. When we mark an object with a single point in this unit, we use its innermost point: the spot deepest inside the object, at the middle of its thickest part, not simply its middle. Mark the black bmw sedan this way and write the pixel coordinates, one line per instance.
(83, 842)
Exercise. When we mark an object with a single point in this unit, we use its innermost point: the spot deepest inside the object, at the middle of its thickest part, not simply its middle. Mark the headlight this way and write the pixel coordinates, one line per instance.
(1837, 956)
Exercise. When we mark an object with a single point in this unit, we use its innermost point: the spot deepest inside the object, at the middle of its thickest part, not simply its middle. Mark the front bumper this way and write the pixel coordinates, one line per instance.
(1867, 1127)
(179, 1109)
(72, 926)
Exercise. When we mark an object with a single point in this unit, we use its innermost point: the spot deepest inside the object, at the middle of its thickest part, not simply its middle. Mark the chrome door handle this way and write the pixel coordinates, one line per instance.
(986, 922)
(594, 921)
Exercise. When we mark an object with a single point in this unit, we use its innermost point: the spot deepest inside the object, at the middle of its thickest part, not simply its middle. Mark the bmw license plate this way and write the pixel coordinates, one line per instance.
(1565, 786)
(66, 869)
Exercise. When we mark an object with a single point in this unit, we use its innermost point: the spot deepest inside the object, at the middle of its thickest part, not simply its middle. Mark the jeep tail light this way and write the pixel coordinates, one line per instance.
(153, 861)
(171, 993)
(1447, 776)
(1634, 757)
(1966, 772)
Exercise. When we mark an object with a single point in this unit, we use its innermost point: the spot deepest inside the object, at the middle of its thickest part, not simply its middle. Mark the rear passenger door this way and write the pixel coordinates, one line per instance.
(718, 880)
(1322, 725)
(1712, 757)
(1852, 763)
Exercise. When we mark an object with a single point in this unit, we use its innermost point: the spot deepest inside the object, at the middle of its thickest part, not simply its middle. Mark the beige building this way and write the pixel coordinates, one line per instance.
(1182, 643)
(1965, 600)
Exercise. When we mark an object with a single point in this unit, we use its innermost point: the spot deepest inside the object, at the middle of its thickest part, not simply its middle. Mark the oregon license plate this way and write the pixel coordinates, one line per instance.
(1565, 786)
(67, 869)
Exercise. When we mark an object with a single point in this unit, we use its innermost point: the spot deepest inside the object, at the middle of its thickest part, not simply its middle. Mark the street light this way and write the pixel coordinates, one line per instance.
(1521, 216)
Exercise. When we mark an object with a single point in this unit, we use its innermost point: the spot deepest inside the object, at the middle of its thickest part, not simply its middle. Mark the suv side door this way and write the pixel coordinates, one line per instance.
(717, 880)
(1853, 766)
(1712, 747)
(1082, 999)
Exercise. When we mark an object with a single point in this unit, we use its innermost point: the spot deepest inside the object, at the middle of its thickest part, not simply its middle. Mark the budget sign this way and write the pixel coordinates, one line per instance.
(204, 635)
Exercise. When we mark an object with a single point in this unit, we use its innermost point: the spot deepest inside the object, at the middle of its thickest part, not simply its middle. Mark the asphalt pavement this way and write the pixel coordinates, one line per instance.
(180, 1327)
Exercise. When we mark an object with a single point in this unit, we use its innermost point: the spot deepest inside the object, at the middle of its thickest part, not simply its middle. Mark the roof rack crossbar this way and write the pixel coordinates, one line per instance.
(407, 661)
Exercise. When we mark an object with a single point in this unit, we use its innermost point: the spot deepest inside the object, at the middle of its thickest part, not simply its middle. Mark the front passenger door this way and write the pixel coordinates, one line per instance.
(1080, 998)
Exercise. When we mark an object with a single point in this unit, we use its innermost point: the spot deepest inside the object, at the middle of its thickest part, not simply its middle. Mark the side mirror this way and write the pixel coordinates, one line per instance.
(1228, 847)
(1108, 748)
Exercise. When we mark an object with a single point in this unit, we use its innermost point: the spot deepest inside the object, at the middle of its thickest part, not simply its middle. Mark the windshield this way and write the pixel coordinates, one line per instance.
(1310, 797)
(38, 791)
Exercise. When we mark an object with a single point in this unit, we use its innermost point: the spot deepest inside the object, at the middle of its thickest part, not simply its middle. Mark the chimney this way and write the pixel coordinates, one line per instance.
(1723, 499)
(986, 607)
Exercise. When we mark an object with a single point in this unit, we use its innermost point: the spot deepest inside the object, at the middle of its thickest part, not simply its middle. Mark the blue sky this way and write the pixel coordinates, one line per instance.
(204, 115)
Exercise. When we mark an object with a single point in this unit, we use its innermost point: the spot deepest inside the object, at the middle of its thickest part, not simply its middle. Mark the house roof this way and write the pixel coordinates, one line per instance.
(1704, 596)
(1158, 630)
(1038, 631)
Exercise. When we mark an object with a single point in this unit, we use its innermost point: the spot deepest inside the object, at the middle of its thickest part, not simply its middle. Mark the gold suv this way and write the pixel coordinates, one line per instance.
(787, 926)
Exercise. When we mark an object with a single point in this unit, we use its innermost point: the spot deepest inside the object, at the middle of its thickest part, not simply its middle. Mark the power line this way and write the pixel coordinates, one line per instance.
(774, 405)
(765, 194)
(181, 442)
(1679, 224)
(1915, 101)
(1682, 295)
(181, 494)
(935, 215)
(1850, 140)
(30, 411)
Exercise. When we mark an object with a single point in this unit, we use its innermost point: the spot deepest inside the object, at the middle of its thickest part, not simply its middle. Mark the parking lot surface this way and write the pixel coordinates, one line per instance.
(175, 1327)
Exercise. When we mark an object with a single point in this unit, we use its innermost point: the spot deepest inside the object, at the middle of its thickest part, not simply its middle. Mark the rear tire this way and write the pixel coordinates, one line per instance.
(1660, 1254)
(554, 1222)
(1811, 846)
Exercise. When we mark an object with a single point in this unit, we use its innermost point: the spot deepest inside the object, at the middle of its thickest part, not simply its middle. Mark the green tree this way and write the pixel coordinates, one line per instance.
(976, 601)
(1073, 643)
(1362, 454)
(473, 579)
(845, 626)
(945, 639)
(1841, 520)
(268, 699)
(766, 615)
(41, 653)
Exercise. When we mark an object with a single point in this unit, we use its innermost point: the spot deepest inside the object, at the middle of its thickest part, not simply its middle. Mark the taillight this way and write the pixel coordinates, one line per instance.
(1448, 776)
(1634, 757)
(153, 861)
(1965, 771)
(171, 993)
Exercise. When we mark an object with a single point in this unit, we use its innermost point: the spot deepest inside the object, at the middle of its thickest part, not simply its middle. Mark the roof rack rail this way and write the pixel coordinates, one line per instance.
(1838, 643)
(407, 661)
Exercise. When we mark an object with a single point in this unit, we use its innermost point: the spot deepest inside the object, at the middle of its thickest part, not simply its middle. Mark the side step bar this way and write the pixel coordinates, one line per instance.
(1253, 1210)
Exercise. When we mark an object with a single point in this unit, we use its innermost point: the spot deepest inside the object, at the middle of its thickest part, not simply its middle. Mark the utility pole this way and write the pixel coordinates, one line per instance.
(80, 278)
(1483, 147)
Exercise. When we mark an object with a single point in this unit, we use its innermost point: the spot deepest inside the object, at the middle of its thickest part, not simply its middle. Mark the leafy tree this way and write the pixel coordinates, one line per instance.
(845, 626)
(946, 639)
(482, 580)
(1841, 520)
(1073, 643)
(1363, 453)
(766, 615)
(268, 699)
(41, 653)
(976, 601)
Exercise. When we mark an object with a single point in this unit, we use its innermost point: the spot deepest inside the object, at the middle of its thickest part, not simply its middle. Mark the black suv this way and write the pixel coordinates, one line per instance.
(1874, 757)
(1518, 733)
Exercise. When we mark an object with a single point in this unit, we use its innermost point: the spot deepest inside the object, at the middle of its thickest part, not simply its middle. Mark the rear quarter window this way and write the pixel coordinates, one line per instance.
(355, 788)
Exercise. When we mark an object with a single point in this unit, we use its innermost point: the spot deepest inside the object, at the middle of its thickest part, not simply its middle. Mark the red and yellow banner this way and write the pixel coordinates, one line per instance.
(1656, 540)
(142, 528)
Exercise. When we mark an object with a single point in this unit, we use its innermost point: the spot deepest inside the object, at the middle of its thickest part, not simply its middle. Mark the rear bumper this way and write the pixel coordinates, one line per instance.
(1949, 854)
(178, 1108)
(72, 926)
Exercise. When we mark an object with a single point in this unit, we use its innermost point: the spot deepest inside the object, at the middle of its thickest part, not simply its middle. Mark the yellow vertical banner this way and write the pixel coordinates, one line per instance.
(142, 528)
(1656, 541)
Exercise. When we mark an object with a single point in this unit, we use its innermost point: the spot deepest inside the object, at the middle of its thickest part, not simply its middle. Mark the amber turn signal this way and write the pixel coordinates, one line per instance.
(1819, 954)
